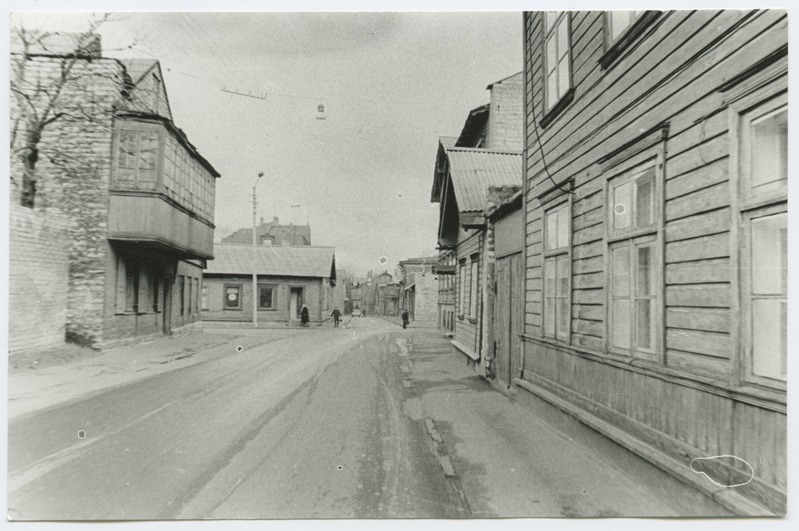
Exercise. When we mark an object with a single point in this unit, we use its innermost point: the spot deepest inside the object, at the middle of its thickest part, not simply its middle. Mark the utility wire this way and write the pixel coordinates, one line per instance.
(544, 160)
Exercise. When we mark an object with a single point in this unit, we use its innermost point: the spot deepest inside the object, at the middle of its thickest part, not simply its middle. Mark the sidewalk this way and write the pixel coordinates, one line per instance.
(519, 456)
(37, 380)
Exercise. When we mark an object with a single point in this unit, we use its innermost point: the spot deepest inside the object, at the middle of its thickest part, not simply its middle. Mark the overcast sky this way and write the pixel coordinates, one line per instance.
(390, 83)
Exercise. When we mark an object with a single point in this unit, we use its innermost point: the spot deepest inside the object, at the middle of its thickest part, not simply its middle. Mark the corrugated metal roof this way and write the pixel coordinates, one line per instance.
(474, 170)
(299, 261)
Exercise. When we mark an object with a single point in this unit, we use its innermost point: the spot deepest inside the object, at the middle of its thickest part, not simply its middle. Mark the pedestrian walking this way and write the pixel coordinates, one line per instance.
(404, 318)
(305, 315)
(336, 317)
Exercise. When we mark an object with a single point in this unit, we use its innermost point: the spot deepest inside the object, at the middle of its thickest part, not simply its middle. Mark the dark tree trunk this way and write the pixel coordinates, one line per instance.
(29, 156)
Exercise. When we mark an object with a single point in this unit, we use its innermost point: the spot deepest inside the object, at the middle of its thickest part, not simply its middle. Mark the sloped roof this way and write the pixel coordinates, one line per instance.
(138, 67)
(420, 260)
(474, 126)
(299, 261)
(474, 170)
(512, 76)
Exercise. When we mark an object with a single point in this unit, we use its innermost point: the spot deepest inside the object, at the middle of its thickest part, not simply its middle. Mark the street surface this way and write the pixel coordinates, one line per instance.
(370, 421)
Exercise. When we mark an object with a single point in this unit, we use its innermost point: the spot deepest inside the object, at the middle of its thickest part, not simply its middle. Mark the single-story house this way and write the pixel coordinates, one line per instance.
(286, 277)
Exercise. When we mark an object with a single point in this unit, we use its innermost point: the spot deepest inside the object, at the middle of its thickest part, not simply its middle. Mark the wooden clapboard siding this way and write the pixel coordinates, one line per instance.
(701, 76)
(466, 332)
(698, 272)
(689, 402)
(703, 224)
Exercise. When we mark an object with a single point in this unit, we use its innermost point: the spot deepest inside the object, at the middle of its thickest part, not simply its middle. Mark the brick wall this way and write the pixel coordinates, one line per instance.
(73, 172)
(505, 126)
(38, 279)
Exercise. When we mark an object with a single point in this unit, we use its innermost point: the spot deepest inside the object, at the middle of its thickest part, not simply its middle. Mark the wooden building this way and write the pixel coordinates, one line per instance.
(487, 153)
(286, 278)
(656, 238)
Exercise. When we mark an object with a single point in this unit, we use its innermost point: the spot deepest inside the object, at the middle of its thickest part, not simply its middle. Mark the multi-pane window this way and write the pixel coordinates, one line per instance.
(131, 286)
(462, 288)
(137, 159)
(266, 297)
(473, 286)
(205, 298)
(155, 285)
(635, 263)
(764, 182)
(633, 201)
(557, 304)
(557, 57)
(619, 21)
(232, 300)
(633, 295)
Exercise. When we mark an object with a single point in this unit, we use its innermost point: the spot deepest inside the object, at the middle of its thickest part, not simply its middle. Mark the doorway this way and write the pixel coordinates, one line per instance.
(508, 316)
(295, 303)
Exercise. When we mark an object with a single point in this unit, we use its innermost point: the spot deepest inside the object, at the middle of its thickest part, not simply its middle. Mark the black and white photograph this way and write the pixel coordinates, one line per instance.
(397, 265)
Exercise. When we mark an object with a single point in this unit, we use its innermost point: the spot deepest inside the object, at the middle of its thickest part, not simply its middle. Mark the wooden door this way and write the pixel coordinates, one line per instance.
(516, 295)
(502, 321)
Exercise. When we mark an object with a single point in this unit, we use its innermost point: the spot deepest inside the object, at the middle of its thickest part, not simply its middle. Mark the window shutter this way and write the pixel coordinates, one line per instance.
(121, 281)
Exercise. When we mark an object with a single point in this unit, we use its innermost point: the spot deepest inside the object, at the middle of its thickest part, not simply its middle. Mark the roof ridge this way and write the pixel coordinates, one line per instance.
(485, 150)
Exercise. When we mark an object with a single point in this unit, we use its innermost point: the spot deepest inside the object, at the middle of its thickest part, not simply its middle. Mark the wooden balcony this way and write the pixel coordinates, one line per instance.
(152, 220)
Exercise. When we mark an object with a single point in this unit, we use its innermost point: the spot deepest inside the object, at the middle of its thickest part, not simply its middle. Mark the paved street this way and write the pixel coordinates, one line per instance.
(368, 421)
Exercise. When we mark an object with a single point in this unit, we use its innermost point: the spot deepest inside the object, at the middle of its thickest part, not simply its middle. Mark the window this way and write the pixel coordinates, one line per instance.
(557, 300)
(205, 298)
(461, 288)
(137, 159)
(619, 21)
(763, 159)
(189, 306)
(182, 293)
(557, 57)
(768, 295)
(266, 297)
(635, 262)
(131, 286)
(474, 282)
(155, 290)
(232, 299)
(196, 295)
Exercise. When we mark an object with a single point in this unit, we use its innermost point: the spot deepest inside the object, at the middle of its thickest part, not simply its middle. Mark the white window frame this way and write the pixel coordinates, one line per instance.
(474, 286)
(634, 236)
(555, 253)
(632, 18)
(461, 288)
(225, 287)
(272, 287)
(747, 106)
(553, 22)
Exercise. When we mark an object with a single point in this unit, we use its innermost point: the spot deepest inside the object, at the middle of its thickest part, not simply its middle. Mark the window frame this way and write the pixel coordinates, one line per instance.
(204, 296)
(239, 287)
(461, 288)
(138, 129)
(272, 287)
(474, 287)
(620, 167)
(551, 109)
(759, 95)
(614, 48)
(554, 255)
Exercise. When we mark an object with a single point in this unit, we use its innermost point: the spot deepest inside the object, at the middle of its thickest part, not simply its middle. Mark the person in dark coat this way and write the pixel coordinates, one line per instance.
(305, 315)
(404, 318)
(336, 317)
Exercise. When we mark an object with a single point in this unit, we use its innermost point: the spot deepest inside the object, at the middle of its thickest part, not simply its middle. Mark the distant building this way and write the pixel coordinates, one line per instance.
(135, 196)
(371, 294)
(272, 233)
(419, 290)
(287, 278)
(486, 154)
